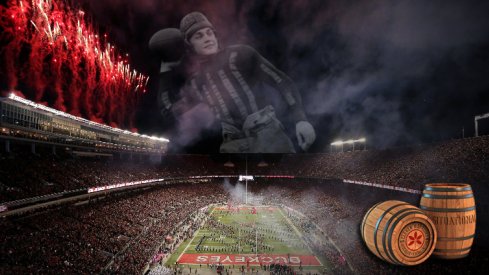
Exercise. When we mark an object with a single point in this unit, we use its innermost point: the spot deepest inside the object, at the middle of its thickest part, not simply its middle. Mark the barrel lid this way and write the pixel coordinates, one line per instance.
(447, 187)
(416, 239)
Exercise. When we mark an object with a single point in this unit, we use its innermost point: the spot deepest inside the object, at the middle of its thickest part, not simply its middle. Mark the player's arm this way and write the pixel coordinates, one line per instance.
(279, 80)
(261, 69)
(176, 95)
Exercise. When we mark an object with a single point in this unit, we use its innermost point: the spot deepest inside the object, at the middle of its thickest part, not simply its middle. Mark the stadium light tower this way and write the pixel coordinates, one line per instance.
(350, 141)
(337, 143)
(476, 118)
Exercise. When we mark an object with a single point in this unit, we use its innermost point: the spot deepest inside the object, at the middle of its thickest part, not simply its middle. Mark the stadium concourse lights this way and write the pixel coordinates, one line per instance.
(350, 141)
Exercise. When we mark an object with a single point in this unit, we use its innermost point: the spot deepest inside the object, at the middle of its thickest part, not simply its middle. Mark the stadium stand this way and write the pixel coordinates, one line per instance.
(465, 160)
(118, 234)
(121, 232)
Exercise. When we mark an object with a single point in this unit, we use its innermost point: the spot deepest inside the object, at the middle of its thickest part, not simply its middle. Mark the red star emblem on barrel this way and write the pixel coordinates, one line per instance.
(415, 240)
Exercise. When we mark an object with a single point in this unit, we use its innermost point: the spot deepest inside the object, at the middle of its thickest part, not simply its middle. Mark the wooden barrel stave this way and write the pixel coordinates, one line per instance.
(452, 209)
(378, 219)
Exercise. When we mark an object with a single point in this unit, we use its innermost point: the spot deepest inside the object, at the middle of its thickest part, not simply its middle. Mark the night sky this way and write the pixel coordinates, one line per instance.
(395, 72)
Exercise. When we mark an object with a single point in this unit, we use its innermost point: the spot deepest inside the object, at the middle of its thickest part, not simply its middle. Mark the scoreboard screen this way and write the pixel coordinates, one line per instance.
(243, 178)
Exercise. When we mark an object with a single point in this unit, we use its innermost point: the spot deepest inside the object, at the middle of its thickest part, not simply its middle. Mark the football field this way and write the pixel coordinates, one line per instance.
(247, 236)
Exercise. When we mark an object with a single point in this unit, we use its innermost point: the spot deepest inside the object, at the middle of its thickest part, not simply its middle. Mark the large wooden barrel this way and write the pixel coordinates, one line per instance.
(398, 233)
(451, 207)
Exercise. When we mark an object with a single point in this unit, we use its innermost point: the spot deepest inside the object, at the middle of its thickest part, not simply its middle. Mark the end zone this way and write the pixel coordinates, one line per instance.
(249, 259)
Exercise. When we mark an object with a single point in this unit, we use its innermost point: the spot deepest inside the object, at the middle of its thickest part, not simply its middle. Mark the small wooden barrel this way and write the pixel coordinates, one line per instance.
(451, 207)
(398, 233)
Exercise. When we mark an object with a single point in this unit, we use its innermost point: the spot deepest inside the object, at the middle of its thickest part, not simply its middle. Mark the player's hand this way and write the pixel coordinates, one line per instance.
(305, 134)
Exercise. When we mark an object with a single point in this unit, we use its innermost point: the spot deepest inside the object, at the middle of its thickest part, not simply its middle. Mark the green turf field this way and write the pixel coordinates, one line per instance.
(242, 232)
(260, 235)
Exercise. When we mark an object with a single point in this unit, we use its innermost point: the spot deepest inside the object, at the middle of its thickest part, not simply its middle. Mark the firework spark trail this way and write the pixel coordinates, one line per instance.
(13, 14)
(54, 50)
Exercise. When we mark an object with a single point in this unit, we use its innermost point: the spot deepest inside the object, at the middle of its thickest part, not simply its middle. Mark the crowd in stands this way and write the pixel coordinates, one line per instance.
(122, 232)
(119, 234)
(461, 160)
(465, 160)
(27, 175)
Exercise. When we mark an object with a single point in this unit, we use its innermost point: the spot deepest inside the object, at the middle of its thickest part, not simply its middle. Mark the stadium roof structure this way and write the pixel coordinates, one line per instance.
(23, 121)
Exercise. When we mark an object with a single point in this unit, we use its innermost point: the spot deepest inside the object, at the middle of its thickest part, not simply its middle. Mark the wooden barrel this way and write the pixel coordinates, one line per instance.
(398, 233)
(451, 207)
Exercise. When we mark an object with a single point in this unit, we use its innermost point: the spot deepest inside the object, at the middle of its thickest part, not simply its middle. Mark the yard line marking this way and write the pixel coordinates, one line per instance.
(296, 231)
(300, 236)
(196, 233)
(328, 237)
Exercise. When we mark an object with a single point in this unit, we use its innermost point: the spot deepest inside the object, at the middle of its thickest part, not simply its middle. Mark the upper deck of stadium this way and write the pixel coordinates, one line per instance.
(22, 120)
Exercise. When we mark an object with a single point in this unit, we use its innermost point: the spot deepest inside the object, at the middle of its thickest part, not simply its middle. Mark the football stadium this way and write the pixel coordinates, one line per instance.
(105, 169)
(91, 209)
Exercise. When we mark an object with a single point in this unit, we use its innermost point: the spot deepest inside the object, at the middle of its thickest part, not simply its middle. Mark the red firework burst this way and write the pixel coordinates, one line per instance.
(51, 48)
